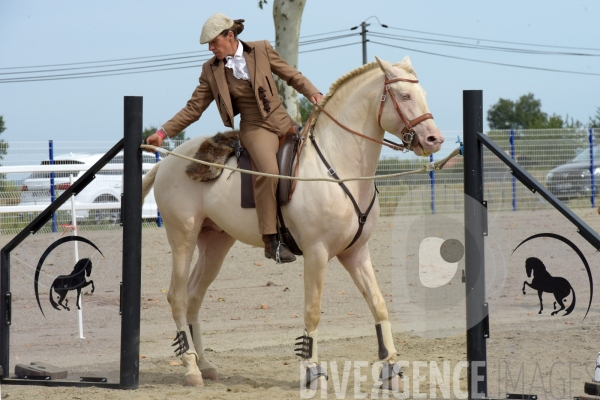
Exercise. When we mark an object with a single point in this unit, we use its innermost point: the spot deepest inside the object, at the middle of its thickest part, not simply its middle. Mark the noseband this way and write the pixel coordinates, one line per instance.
(407, 134)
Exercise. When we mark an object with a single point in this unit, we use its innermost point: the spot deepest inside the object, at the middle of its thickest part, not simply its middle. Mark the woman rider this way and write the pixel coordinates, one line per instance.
(239, 78)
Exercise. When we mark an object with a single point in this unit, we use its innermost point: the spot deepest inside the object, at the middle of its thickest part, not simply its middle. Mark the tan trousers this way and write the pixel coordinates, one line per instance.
(262, 145)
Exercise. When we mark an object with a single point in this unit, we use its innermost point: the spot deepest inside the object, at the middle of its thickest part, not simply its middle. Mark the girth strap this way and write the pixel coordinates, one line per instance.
(362, 217)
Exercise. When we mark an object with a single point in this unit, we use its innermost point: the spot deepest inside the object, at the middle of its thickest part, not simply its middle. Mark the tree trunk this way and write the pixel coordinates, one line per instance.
(287, 15)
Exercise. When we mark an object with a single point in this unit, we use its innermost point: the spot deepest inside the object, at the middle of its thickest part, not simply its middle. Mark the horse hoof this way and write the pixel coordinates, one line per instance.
(317, 384)
(193, 379)
(210, 373)
(394, 384)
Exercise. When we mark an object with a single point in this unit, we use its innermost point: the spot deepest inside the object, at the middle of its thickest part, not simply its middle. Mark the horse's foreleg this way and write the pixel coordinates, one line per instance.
(213, 246)
(182, 240)
(78, 297)
(315, 262)
(540, 296)
(359, 266)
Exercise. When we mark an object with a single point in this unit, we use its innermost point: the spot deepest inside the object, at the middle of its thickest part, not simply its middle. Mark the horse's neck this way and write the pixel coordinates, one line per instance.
(350, 155)
(540, 273)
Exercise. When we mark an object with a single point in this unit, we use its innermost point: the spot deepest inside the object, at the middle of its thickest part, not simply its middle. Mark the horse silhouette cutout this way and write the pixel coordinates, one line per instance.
(63, 284)
(544, 282)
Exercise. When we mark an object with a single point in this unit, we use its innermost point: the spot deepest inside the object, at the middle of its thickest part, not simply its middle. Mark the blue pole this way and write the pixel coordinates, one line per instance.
(592, 168)
(159, 221)
(52, 188)
(432, 181)
(514, 180)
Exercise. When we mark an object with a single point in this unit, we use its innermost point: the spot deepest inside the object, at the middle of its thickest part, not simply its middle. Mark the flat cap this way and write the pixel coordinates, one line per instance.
(213, 26)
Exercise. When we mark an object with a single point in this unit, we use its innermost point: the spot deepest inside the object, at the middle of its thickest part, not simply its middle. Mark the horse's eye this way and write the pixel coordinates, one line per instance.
(405, 96)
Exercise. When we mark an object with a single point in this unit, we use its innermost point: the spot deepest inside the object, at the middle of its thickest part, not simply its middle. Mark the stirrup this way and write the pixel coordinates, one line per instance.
(278, 255)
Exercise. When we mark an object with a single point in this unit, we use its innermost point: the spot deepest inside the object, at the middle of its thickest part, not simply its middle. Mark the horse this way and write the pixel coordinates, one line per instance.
(544, 282)
(320, 217)
(75, 280)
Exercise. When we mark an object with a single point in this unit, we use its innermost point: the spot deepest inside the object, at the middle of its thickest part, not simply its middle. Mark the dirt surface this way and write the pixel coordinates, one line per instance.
(253, 313)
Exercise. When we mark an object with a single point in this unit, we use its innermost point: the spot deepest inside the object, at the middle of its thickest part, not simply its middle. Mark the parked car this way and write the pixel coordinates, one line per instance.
(573, 179)
(105, 188)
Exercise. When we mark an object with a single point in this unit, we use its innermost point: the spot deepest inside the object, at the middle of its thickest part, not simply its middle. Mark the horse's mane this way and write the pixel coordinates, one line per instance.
(349, 75)
(535, 263)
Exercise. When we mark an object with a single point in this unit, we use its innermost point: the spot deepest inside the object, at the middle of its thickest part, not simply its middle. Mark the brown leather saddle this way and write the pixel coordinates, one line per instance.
(288, 148)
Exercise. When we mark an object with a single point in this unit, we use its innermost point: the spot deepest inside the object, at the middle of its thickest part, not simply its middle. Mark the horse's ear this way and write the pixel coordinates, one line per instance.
(386, 67)
(406, 60)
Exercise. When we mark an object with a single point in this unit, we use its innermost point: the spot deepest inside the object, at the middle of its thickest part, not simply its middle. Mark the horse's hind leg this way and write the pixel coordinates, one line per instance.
(559, 300)
(182, 238)
(62, 294)
(213, 246)
(358, 264)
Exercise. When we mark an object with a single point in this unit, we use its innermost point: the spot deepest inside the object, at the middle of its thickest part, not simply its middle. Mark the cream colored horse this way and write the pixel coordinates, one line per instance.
(320, 216)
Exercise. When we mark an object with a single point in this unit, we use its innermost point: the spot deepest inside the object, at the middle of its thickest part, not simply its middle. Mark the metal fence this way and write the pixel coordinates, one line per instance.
(562, 159)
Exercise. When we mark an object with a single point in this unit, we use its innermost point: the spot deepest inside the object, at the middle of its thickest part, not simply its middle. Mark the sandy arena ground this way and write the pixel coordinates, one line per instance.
(253, 313)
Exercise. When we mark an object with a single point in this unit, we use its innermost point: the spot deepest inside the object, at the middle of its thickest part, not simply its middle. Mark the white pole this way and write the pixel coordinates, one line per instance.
(74, 224)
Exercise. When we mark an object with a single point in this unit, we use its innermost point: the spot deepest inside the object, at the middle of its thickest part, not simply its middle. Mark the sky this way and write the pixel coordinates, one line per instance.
(34, 33)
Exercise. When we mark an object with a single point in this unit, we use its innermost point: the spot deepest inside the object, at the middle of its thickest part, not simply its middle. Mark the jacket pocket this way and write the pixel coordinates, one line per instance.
(269, 83)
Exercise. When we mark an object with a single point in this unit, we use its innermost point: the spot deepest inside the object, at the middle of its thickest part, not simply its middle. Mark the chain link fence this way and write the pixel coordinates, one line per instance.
(562, 159)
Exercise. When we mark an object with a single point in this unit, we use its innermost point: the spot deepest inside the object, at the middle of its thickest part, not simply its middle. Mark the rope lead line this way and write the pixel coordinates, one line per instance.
(436, 165)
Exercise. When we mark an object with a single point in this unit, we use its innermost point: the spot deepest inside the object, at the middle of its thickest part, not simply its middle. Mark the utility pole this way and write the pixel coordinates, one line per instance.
(364, 31)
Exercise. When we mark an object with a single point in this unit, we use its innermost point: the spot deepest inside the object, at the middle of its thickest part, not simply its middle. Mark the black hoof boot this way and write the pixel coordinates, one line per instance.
(276, 250)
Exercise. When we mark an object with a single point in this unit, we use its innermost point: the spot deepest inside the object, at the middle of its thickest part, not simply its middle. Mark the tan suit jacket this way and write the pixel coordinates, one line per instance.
(262, 61)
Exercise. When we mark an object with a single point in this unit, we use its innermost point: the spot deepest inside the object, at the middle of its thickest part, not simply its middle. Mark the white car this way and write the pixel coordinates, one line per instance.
(105, 188)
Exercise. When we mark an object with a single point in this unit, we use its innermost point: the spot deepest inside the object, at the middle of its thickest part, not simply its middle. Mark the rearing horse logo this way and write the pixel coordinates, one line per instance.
(544, 282)
(74, 281)
(64, 283)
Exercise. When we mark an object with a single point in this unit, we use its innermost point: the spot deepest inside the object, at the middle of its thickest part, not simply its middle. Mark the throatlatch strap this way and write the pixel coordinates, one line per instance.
(362, 218)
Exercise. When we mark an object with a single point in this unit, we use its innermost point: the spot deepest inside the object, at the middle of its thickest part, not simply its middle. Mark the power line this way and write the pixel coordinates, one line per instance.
(495, 41)
(103, 66)
(488, 62)
(34, 79)
(476, 46)
(104, 61)
(309, 42)
(114, 72)
(199, 53)
(327, 48)
(96, 72)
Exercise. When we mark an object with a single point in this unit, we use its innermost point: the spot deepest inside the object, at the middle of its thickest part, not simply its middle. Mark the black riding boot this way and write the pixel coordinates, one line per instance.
(276, 250)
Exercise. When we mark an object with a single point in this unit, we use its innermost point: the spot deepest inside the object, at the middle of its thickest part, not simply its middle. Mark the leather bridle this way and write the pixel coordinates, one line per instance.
(407, 134)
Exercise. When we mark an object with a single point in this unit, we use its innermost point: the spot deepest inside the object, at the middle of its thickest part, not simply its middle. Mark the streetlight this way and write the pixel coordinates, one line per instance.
(364, 31)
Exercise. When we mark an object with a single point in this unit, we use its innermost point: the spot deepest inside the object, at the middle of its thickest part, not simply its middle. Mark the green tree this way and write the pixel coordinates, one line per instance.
(595, 120)
(180, 137)
(306, 108)
(3, 152)
(525, 113)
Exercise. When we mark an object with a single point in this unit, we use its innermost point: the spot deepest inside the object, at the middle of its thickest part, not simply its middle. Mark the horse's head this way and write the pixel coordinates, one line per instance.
(533, 264)
(404, 109)
(88, 268)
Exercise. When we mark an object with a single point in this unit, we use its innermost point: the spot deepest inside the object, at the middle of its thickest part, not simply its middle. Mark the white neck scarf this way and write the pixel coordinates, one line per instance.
(238, 63)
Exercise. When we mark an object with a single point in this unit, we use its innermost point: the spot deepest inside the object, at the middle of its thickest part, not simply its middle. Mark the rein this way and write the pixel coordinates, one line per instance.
(385, 142)
(407, 132)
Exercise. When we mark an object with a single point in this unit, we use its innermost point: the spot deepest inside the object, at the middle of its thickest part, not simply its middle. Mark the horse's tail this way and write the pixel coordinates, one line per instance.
(52, 300)
(572, 306)
(148, 181)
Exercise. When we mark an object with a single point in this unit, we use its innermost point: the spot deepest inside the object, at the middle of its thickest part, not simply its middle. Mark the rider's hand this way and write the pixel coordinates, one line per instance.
(316, 98)
(156, 139)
